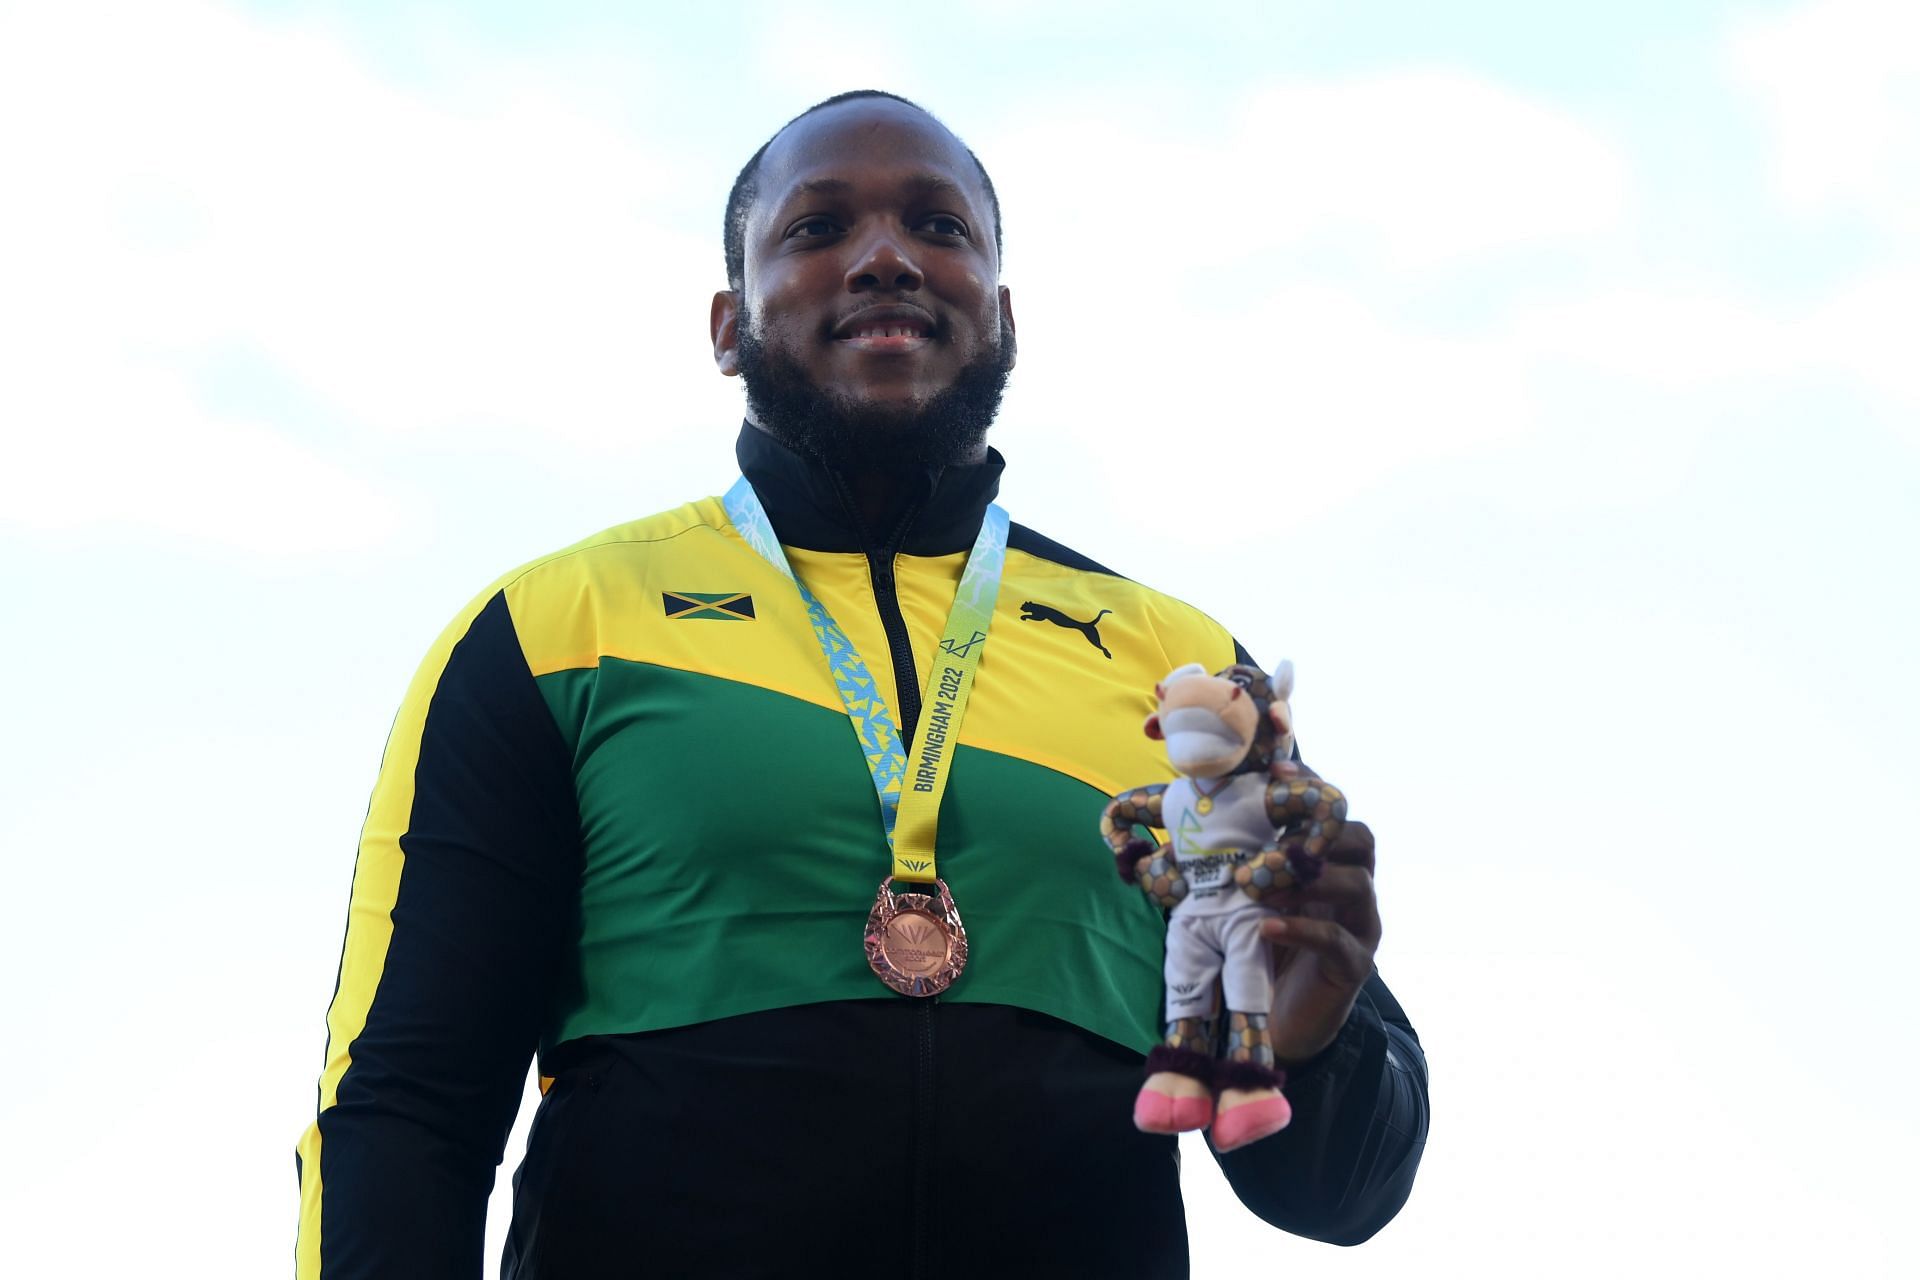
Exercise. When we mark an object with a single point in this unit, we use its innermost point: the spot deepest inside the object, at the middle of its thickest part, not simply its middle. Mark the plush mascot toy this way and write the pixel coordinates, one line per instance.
(1242, 824)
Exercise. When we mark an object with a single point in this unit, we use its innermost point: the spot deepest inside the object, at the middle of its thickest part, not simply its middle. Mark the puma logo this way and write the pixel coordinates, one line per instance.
(1033, 612)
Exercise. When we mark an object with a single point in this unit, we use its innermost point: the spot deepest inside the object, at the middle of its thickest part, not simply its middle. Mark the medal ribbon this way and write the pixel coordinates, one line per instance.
(909, 805)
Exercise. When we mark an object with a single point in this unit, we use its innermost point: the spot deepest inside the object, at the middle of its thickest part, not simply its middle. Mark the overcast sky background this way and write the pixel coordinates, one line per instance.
(1562, 357)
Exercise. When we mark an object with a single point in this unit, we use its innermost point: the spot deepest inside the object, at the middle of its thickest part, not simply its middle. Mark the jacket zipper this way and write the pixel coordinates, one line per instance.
(906, 690)
(906, 683)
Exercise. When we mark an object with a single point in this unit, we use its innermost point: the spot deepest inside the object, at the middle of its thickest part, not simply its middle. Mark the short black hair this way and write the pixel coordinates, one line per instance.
(733, 236)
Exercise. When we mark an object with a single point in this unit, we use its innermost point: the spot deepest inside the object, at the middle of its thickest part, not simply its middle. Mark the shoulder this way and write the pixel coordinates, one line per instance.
(667, 532)
(574, 579)
(1180, 627)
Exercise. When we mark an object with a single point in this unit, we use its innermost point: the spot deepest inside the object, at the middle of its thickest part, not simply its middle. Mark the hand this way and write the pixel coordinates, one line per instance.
(1129, 856)
(1323, 947)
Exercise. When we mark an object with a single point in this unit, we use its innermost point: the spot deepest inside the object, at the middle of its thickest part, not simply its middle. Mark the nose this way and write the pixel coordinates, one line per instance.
(883, 262)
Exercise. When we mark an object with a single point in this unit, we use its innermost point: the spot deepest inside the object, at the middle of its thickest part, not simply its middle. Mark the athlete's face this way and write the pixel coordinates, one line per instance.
(870, 267)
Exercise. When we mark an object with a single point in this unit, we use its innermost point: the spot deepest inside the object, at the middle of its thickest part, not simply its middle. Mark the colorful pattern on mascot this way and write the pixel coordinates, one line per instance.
(1241, 825)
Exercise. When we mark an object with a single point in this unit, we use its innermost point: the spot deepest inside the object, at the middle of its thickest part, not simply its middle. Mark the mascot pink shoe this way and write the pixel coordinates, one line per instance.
(1250, 1122)
(1157, 1111)
(1251, 1105)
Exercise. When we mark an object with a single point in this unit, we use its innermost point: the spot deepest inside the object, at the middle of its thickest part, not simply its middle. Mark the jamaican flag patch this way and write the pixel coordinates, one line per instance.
(711, 606)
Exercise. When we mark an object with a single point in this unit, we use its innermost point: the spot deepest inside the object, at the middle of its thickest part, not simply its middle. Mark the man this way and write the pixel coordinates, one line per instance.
(623, 820)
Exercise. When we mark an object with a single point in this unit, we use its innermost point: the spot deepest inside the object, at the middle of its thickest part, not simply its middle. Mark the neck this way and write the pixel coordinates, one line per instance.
(860, 503)
(878, 497)
(885, 498)
(880, 493)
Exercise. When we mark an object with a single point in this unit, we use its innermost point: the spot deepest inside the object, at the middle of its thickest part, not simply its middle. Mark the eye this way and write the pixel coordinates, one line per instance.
(945, 224)
(812, 228)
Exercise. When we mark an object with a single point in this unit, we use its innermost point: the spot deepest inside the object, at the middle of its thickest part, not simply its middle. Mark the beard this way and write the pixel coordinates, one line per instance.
(832, 426)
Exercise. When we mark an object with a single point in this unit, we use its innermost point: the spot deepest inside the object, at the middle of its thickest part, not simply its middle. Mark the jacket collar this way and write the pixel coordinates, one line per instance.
(811, 506)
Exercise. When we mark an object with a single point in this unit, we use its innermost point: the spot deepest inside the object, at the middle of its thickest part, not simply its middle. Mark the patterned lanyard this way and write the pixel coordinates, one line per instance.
(909, 812)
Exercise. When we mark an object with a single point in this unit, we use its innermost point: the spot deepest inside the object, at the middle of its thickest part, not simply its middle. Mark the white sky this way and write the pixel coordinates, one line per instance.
(1569, 337)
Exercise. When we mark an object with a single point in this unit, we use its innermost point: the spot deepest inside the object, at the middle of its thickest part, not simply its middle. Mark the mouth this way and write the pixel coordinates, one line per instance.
(1199, 743)
(889, 329)
(1199, 722)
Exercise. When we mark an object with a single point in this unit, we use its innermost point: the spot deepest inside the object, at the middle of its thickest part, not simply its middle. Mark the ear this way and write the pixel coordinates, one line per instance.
(723, 325)
(1006, 322)
(1152, 728)
(1281, 682)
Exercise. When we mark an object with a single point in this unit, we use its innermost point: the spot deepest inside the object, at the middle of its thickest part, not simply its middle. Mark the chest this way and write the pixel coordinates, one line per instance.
(1233, 816)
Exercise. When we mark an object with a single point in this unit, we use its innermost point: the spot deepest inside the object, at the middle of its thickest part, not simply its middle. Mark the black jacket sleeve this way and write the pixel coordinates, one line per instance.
(461, 903)
(1344, 1166)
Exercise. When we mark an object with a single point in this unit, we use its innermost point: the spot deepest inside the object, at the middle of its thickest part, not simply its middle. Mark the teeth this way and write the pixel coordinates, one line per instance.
(888, 331)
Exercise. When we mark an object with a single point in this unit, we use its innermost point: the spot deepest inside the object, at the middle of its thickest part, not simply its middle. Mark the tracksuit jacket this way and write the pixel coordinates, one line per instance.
(622, 822)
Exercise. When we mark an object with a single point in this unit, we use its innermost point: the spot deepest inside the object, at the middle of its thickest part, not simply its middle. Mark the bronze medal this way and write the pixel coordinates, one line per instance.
(915, 941)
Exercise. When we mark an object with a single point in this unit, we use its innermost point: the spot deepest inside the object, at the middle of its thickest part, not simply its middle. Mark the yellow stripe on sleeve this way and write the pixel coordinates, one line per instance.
(376, 887)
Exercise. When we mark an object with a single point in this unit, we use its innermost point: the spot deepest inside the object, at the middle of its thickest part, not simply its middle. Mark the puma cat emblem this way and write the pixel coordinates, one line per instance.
(1031, 611)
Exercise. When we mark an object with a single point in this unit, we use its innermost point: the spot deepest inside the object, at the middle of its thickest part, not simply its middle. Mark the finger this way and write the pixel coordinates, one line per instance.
(1341, 893)
(1346, 887)
(1354, 848)
(1342, 953)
